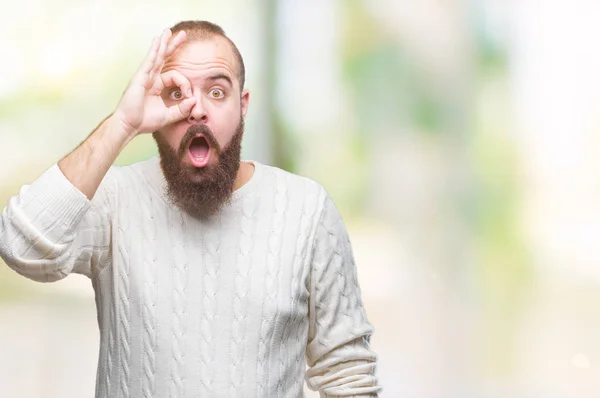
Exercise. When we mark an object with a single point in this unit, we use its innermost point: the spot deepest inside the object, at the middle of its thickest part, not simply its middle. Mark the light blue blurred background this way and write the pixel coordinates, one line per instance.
(458, 138)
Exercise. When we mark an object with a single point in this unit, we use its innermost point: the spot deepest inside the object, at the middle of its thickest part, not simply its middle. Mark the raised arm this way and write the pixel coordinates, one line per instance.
(141, 110)
(60, 223)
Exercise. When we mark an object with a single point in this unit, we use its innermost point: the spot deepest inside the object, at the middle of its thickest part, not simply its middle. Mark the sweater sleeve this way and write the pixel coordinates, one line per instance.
(340, 359)
(50, 228)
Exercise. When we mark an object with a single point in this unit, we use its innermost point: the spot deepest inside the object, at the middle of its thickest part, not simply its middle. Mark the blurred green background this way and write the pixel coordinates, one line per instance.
(458, 138)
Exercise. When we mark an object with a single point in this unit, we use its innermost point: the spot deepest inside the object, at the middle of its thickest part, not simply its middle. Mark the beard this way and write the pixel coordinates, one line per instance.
(201, 192)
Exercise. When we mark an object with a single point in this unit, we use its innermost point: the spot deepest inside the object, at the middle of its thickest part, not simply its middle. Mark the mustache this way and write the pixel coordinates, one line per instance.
(191, 133)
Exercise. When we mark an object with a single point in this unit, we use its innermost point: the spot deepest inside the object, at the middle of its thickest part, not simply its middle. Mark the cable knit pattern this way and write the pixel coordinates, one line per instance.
(284, 354)
(295, 328)
(226, 307)
(109, 363)
(121, 267)
(210, 282)
(272, 273)
(149, 305)
(240, 299)
(180, 264)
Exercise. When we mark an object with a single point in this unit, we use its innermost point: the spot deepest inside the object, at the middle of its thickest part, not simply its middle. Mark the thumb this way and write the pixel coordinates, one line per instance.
(181, 110)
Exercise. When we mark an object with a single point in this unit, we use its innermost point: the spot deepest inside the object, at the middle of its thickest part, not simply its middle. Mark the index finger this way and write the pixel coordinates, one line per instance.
(173, 78)
(176, 41)
(148, 62)
(160, 57)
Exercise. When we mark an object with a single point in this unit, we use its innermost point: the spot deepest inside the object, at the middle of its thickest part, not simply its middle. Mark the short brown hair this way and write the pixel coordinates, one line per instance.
(199, 30)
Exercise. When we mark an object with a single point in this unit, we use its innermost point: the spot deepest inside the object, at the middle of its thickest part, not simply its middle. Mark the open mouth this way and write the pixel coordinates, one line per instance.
(199, 151)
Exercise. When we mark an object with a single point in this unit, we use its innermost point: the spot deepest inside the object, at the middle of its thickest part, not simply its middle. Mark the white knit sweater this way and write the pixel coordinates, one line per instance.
(234, 307)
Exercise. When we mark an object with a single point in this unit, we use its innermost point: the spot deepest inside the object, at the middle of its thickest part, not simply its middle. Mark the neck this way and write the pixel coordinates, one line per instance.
(245, 172)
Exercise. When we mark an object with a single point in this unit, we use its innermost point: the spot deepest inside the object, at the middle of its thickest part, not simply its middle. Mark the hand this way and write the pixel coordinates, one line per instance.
(142, 109)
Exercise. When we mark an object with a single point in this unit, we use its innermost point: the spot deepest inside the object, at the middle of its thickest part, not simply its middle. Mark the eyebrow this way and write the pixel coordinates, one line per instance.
(221, 76)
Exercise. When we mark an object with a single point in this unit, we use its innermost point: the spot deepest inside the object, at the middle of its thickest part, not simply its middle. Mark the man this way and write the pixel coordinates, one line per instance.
(214, 277)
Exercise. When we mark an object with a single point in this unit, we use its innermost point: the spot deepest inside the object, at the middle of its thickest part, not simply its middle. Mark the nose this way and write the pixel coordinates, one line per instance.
(198, 112)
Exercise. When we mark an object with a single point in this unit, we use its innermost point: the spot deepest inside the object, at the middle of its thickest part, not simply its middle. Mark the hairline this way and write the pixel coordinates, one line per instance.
(200, 35)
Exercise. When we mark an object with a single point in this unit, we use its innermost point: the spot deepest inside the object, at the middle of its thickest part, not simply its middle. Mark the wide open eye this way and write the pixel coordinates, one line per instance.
(176, 94)
(217, 93)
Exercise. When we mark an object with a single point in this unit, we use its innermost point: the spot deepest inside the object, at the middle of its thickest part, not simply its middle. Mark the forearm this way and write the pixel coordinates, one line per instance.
(339, 354)
(346, 371)
(87, 165)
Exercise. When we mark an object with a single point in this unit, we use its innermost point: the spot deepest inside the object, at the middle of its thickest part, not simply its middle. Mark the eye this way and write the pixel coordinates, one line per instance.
(176, 94)
(217, 93)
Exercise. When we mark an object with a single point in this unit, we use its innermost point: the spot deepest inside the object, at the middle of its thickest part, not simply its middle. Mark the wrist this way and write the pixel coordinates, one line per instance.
(110, 138)
(119, 127)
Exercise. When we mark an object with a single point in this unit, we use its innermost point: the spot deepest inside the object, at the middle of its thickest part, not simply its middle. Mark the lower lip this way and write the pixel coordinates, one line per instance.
(197, 162)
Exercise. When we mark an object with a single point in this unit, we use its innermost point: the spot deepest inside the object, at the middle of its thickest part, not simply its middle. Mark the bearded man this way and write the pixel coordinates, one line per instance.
(213, 276)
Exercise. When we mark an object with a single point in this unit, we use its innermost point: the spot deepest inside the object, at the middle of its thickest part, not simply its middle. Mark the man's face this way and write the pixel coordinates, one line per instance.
(200, 155)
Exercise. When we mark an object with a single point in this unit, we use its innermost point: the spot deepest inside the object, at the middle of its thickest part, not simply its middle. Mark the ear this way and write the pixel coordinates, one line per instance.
(244, 102)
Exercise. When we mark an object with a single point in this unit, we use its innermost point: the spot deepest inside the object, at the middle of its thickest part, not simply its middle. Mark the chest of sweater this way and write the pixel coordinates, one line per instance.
(244, 273)
(255, 253)
(223, 303)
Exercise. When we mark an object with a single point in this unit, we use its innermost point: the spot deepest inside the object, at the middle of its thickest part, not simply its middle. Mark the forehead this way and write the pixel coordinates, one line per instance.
(194, 59)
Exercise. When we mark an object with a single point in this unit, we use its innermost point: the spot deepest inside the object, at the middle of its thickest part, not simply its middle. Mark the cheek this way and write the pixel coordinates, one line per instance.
(224, 134)
(225, 125)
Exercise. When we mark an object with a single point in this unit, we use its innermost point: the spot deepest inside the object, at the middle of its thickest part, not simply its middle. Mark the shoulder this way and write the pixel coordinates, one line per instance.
(135, 176)
(292, 180)
(304, 192)
(295, 184)
(122, 183)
